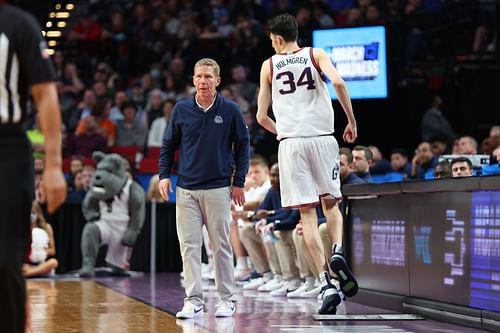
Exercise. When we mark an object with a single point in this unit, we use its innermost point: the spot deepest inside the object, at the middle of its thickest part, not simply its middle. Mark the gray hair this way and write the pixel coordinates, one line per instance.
(208, 62)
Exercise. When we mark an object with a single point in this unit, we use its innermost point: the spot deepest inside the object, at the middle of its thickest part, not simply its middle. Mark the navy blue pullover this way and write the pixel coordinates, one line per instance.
(214, 145)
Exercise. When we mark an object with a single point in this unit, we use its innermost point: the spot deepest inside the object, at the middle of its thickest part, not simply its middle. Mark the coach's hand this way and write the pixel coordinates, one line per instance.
(54, 187)
(164, 187)
(238, 195)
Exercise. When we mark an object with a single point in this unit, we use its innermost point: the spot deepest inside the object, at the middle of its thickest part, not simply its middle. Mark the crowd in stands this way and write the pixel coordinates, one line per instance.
(124, 64)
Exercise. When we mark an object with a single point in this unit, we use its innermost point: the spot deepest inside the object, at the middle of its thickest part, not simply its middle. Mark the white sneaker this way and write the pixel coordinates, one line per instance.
(306, 286)
(189, 310)
(254, 284)
(242, 274)
(273, 284)
(286, 288)
(312, 292)
(207, 272)
(225, 309)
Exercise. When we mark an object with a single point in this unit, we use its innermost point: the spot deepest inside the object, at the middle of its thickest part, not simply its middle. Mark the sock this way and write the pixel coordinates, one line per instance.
(267, 276)
(310, 281)
(324, 279)
(337, 248)
(241, 263)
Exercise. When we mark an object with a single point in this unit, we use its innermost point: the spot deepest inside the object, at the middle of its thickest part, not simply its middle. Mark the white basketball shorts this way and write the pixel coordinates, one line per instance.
(309, 169)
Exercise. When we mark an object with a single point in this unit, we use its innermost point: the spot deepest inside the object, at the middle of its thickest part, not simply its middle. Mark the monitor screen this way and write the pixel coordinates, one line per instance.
(359, 55)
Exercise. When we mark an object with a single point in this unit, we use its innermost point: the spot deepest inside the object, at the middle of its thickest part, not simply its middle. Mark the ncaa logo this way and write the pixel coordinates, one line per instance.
(218, 120)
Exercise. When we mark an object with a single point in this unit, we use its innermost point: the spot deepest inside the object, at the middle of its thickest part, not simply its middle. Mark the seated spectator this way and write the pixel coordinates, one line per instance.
(224, 26)
(494, 131)
(105, 127)
(423, 161)
(399, 161)
(88, 141)
(42, 246)
(362, 159)
(260, 242)
(443, 170)
(83, 109)
(439, 146)
(379, 165)
(87, 174)
(77, 192)
(86, 29)
(461, 167)
(129, 131)
(257, 185)
(155, 136)
(496, 154)
(346, 176)
(321, 13)
(69, 87)
(136, 94)
(467, 145)
(241, 85)
(76, 164)
(116, 114)
(489, 144)
(154, 108)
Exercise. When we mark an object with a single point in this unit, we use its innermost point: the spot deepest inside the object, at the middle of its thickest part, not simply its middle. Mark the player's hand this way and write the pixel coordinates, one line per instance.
(262, 214)
(299, 229)
(238, 195)
(350, 133)
(54, 187)
(165, 186)
(268, 228)
(259, 225)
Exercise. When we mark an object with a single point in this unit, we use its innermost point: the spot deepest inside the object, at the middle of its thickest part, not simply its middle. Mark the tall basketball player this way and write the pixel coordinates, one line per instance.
(308, 155)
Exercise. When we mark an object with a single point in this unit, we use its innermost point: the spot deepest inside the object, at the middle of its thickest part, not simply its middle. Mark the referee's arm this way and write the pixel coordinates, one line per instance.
(45, 96)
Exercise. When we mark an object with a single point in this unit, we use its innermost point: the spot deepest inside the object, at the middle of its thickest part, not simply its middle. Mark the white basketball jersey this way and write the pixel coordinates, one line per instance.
(301, 103)
(117, 212)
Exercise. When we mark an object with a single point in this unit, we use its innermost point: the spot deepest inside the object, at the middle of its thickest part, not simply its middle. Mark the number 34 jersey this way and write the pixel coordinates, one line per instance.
(300, 99)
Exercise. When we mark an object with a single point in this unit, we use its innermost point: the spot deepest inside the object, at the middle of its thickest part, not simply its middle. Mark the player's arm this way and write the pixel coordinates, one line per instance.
(324, 63)
(45, 96)
(264, 99)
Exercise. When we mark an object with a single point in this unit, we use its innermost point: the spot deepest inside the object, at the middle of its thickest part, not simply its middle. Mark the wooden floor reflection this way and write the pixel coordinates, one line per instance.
(85, 306)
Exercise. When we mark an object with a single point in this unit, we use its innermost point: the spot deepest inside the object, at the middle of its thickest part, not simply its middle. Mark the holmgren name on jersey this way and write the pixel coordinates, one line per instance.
(289, 61)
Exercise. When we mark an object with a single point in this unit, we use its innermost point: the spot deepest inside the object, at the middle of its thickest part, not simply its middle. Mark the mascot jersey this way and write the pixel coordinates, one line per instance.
(117, 211)
(113, 224)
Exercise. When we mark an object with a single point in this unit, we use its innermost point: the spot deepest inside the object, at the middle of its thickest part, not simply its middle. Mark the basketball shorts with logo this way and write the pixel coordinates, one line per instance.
(309, 169)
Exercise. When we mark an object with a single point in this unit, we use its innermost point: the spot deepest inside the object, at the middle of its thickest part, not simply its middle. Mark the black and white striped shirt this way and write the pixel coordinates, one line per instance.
(24, 61)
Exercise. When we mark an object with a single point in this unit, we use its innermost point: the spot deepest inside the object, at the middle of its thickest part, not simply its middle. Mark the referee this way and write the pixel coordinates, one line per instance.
(24, 63)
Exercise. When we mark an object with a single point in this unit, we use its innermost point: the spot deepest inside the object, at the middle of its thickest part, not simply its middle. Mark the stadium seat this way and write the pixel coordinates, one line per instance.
(66, 165)
(388, 177)
(153, 151)
(492, 169)
(148, 165)
(89, 161)
(129, 152)
(429, 174)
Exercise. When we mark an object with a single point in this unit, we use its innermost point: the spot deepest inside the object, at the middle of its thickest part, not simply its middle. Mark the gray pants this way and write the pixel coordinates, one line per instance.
(212, 207)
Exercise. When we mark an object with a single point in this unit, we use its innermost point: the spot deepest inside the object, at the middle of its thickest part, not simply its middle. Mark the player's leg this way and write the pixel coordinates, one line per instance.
(331, 297)
(338, 262)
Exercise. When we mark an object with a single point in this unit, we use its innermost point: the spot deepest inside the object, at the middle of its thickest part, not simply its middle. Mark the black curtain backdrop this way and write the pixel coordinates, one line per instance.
(68, 223)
